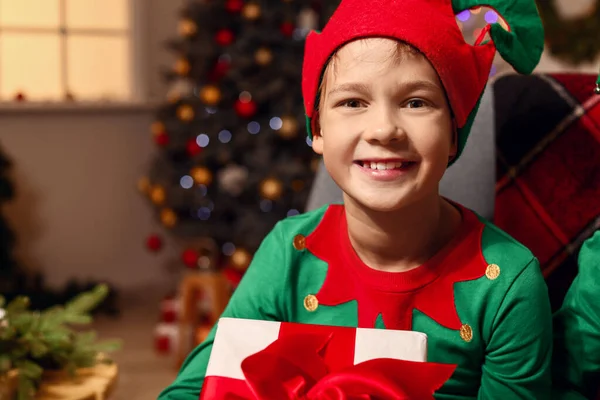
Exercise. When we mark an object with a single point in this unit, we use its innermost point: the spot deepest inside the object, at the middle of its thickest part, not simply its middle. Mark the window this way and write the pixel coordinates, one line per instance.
(51, 50)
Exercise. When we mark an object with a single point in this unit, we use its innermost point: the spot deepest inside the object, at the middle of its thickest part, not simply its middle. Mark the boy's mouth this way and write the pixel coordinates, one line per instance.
(383, 165)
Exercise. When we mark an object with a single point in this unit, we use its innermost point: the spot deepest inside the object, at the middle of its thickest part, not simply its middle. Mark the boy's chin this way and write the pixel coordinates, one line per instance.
(381, 202)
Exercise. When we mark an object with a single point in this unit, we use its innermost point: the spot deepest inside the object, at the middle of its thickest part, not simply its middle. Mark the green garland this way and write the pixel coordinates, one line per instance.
(575, 40)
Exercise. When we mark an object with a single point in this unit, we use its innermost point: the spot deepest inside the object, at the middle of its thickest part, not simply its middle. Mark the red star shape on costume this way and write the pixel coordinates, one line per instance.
(431, 292)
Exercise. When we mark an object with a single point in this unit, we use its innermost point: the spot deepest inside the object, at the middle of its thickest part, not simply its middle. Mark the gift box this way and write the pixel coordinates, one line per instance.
(268, 360)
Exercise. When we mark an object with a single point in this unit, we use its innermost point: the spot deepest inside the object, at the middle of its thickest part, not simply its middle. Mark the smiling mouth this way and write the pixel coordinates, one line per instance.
(385, 165)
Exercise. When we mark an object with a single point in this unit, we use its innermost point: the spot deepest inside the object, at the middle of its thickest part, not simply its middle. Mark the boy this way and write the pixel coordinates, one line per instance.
(390, 90)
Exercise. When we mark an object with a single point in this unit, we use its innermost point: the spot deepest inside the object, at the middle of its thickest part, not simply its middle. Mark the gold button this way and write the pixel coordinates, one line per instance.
(492, 271)
(299, 242)
(311, 303)
(466, 333)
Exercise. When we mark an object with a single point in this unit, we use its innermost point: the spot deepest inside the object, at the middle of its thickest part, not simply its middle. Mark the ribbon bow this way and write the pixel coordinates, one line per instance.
(293, 368)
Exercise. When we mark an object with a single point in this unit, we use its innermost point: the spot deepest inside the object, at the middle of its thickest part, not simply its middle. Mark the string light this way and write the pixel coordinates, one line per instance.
(275, 123)
(266, 205)
(293, 212)
(225, 136)
(228, 248)
(253, 127)
(203, 140)
(204, 213)
(186, 182)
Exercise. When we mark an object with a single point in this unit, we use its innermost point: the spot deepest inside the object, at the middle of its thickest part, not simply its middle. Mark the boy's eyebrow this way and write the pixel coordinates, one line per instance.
(349, 87)
(363, 87)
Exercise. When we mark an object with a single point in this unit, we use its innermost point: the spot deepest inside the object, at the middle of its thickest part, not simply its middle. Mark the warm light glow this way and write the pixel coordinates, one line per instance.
(30, 63)
(92, 65)
(99, 67)
(94, 14)
(30, 13)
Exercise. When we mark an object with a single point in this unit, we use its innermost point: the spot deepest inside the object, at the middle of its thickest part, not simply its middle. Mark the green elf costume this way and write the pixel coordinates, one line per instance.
(481, 300)
(576, 365)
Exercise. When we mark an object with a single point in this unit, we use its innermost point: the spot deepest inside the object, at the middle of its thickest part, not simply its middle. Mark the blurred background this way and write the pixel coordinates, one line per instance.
(151, 144)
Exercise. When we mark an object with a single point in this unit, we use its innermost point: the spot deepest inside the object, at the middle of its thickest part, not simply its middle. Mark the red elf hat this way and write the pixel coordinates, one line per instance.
(430, 26)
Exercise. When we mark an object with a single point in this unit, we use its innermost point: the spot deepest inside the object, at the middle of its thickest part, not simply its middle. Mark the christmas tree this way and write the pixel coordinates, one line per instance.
(233, 158)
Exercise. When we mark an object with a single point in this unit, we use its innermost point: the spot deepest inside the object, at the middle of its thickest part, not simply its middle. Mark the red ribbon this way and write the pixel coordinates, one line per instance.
(293, 368)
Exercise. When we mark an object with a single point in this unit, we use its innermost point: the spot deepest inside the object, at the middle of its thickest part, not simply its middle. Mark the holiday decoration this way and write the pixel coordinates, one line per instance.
(158, 195)
(224, 37)
(210, 95)
(144, 185)
(161, 138)
(182, 67)
(251, 11)
(263, 56)
(33, 342)
(187, 27)
(232, 156)
(271, 189)
(289, 127)
(190, 258)
(241, 259)
(201, 175)
(154, 243)
(185, 113)
(168, 217)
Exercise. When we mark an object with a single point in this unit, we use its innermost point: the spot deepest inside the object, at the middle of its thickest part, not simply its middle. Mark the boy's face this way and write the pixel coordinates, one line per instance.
(385, 129)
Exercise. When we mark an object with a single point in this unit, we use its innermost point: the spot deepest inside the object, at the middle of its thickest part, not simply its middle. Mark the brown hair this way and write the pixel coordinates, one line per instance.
(400, 53)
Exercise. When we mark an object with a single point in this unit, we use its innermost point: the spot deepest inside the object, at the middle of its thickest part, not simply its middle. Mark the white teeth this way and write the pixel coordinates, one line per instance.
(382, 165)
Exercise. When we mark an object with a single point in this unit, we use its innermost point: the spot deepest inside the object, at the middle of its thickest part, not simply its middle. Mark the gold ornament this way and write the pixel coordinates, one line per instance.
(168, 217)
(210, 95)
(158, 195)
(263, 56)
(187, 27)
(201, 175)
(157, 128)
(185, 112)
(289, 127)
(182, 67)
(144, 185)
(271, 189)
(251, 11)
(240, 259)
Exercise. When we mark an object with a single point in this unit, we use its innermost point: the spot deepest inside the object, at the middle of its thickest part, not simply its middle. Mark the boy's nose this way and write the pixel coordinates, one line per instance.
(384, 129)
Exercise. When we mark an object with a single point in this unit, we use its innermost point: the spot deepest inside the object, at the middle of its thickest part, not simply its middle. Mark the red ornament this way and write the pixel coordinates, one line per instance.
(190, 258)
(192, 147)
(162, 139)
(234, 6)
(219, 70)
(287, 28)
(233, 276)
(20, 97)
(154, 243)
(245, 109)
(224, 37)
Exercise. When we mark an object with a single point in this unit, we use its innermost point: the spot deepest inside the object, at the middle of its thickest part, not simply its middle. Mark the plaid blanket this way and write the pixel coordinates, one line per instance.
(548, 168)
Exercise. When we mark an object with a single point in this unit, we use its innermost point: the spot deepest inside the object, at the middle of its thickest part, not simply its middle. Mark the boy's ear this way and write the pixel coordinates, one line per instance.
(317, 135)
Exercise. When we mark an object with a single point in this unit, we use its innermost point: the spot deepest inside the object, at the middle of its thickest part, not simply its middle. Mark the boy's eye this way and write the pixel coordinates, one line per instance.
(415, 103)
(352, 103)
